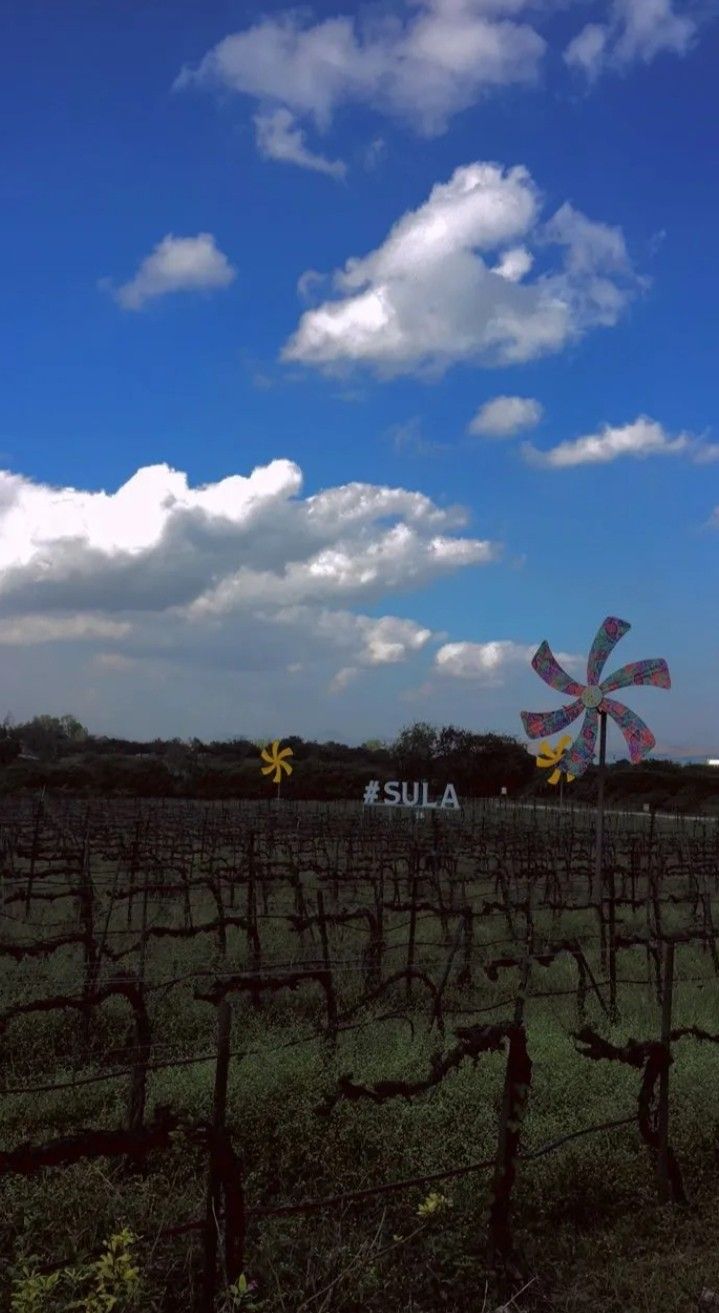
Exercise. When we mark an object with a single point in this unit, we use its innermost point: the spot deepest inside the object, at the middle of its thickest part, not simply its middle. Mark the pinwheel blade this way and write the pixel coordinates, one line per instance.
(581, 753)
(266, 769)
(607, 636)
(540, 723)
(638, 736)
(654, 671)
(548, 668)
(555, 777)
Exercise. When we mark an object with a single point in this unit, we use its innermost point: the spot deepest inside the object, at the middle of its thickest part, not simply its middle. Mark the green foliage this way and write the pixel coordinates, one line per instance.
(48, 736)
(238, 1298)
(434, 1203)
(110, 1284)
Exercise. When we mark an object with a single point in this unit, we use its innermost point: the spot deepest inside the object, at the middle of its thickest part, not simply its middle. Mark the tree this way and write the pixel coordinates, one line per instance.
(48, 735)
(9, 742)
(414, 749)
(72, 729)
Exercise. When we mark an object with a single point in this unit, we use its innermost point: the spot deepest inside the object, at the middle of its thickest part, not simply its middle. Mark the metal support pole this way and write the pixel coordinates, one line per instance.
(599, 848)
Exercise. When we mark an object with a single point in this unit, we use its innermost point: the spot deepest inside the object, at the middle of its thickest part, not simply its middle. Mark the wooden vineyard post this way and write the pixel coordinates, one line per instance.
(214, 1176)
(412, 927)
(87, 923)
(138, 1080)
(134, 854)
(143, 1037)
(709, 929)
(514, 1098)
(34, 853)
(214, 885)
(665, 1185)
(331, 999)
(456, 940)
(464, 979)
(253, 934)
(378, 949)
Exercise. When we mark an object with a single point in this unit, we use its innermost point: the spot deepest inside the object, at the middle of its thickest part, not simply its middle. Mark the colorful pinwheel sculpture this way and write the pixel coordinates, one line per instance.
(548, 756)
(592, 699)
(276, 759)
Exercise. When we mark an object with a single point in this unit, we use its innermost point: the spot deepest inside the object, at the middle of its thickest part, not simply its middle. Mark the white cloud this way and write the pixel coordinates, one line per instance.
(421, 62)
(427, 298)
(114, 661)
(422, 68)
(586, 51)
(177, 264)
(31, 629)
(409, 437)
(245, 576)
(637, 31)
(483, 661)
(280, 138)
(644, 437)
(342, 680)
(502, 417)
(514, 264)
(706, 453)
(489, 662)
(374, 153)
(374, 643)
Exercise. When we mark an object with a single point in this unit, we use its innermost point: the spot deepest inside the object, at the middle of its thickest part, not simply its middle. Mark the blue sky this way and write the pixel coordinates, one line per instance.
(156, 227)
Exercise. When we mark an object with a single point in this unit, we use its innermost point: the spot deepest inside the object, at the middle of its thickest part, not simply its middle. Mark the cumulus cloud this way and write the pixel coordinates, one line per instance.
(158, 543)
(502, 417)
(637, 31)
(427, 297)
(488, 663)
(421, 67)
(243, 575)
(644, 437)
(280, 138)
(177, 264)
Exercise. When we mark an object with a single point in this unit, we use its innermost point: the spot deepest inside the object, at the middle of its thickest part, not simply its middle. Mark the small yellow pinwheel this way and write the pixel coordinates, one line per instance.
(547, 756)
(276, 759)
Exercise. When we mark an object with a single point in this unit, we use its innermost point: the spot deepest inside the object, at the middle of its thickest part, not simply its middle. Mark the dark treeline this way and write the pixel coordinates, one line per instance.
(58, 753)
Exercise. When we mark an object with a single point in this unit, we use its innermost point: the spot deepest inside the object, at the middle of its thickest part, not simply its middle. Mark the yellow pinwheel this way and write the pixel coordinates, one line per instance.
(276, 759)
(548, 756)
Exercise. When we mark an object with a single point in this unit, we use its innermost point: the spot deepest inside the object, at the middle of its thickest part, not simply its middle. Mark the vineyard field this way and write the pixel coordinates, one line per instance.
(318, 1058)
